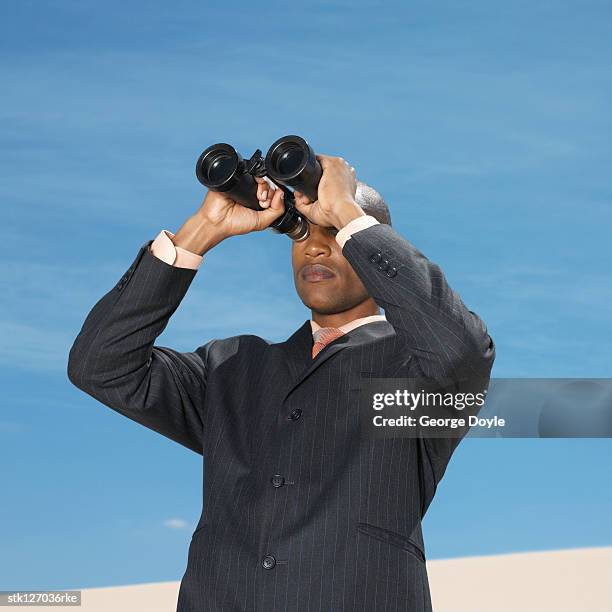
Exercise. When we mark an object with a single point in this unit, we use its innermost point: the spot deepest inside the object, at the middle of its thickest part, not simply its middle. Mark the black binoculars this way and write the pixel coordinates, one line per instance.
(290, 162)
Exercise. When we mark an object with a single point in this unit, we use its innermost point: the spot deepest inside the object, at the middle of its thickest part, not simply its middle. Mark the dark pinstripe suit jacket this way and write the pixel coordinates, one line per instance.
(301, 513)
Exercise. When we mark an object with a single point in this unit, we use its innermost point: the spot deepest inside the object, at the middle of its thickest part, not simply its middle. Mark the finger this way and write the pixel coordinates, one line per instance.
(306, 211)
(303, 208)
(277, 200)
(301, 198)
(324, 160)
(267, 216)
(262, 191)
(265, 190)
(272, 189)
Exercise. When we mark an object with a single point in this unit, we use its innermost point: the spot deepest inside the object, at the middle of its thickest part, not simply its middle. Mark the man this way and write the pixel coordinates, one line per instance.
(302, 512)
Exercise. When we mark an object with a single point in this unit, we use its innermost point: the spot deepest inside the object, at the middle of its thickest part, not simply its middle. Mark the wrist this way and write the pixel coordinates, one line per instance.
(197, 235)
(346, 212)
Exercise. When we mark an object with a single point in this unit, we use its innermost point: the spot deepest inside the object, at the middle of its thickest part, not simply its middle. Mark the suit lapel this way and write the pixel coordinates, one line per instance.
(297, 350)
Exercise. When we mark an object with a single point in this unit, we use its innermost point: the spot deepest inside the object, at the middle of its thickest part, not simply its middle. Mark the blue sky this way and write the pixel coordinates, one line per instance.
(484, 124)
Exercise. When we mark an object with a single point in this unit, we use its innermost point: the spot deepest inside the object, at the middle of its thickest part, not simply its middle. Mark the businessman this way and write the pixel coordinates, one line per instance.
(302, 512)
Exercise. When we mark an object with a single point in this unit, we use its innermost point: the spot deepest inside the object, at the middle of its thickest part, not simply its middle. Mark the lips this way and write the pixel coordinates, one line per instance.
(315, 273)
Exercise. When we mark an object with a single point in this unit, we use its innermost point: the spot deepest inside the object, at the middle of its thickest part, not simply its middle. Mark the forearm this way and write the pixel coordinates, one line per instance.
(197, 235)
(430, 318)
(114, 358)
(440, 342)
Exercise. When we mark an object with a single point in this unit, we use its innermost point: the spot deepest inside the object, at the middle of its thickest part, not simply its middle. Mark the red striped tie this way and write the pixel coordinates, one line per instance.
(322, 337)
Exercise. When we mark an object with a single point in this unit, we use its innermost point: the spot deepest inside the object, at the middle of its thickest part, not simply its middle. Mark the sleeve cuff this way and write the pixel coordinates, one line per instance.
(163, 248)
(356, 225)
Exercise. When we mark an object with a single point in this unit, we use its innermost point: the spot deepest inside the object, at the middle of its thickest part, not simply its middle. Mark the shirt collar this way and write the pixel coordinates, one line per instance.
(347, 327)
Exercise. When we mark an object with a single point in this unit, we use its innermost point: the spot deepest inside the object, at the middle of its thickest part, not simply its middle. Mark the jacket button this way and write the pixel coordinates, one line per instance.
(278, 480)
(391, 272)
(268, 562)
(384, 265)
(376, 257)
(295, 414)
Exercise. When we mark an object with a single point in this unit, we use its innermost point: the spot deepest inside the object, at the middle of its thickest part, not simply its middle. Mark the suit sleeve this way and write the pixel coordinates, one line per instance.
(443, 342)
(114, 359)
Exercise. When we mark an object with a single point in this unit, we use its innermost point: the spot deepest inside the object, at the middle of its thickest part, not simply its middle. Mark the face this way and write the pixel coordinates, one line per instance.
(324, 279)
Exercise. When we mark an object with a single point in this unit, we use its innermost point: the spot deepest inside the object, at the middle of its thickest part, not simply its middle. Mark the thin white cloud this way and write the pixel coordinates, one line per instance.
(175, 523)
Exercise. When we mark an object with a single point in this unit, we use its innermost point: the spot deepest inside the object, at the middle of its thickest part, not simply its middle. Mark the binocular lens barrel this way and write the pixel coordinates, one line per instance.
(291, 161)
(221, 168)
(292, 224)
(217, 165)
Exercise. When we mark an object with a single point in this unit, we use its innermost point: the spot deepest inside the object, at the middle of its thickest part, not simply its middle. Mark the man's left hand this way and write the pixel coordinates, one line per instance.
(336, 205)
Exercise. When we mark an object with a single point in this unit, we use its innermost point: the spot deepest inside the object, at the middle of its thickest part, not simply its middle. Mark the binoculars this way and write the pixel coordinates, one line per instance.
(290, 162)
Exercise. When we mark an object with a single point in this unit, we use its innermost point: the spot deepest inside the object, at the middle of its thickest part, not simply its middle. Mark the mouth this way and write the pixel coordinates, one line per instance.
(315, 273)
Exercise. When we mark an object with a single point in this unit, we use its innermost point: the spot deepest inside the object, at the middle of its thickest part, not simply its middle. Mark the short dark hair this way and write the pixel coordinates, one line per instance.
(372, 203)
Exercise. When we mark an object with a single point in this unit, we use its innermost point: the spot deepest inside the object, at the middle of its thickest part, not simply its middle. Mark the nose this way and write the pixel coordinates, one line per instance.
(316, 246)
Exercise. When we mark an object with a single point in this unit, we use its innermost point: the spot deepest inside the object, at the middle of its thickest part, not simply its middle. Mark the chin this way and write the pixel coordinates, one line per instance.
(327, 300)
(324, 304)
(318, 303)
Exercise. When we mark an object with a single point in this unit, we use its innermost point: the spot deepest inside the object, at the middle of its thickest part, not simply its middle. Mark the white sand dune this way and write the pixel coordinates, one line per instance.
(577, 580)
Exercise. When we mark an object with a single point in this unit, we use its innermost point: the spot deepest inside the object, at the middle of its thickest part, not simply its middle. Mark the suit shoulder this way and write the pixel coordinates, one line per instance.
(221, 349)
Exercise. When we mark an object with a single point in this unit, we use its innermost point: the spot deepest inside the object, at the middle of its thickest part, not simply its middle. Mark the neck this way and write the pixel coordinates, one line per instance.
(365, 309)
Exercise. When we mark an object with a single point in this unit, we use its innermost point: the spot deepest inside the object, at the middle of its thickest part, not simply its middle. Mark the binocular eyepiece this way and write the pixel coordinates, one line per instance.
(290, 162)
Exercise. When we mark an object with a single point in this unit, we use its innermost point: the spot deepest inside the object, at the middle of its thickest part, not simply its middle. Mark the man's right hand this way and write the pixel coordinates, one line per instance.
(220, 217)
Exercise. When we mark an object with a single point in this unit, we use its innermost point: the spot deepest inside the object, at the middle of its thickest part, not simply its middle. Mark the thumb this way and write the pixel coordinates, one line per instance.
(301, 206)
(307, 211)
(272, 212)
(306, 207)
(300, 198)
(323, 160)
